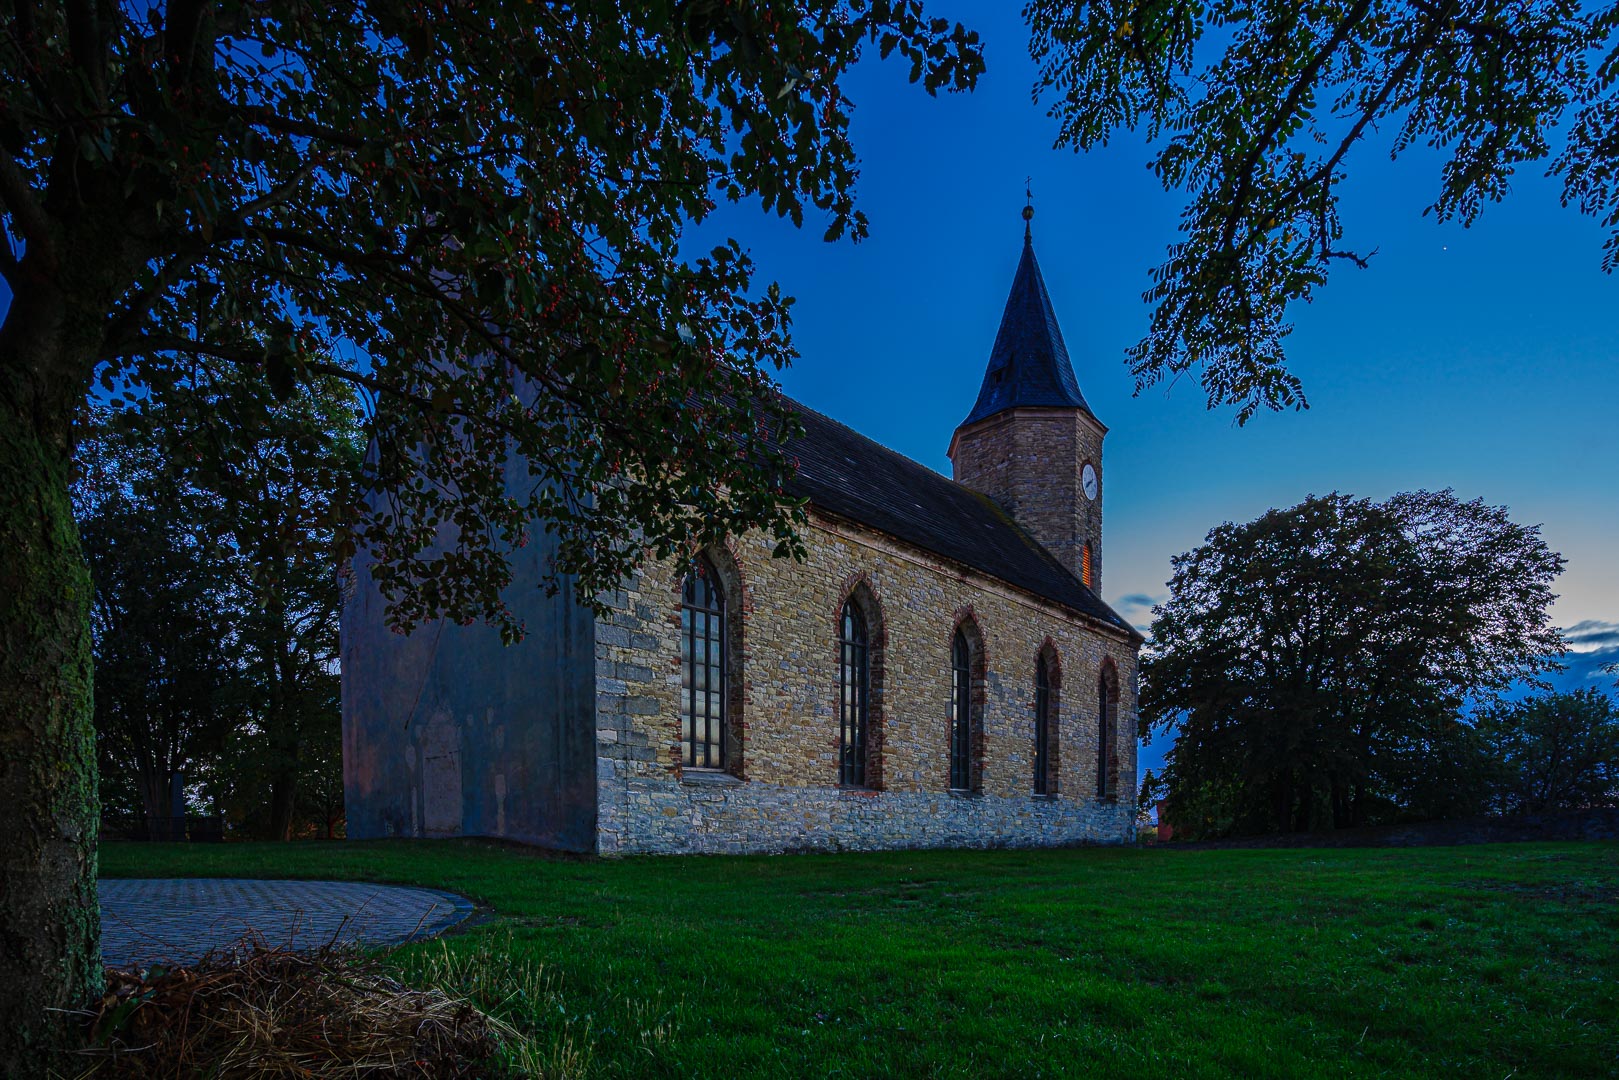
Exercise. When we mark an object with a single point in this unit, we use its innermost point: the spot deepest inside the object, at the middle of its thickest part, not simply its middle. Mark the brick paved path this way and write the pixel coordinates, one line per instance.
(144, 920)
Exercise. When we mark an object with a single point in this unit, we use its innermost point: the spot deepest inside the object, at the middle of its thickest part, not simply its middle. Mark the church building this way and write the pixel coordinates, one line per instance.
(940, 672)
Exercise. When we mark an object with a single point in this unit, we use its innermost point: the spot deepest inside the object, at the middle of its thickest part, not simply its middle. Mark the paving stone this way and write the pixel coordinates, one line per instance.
(177, 920)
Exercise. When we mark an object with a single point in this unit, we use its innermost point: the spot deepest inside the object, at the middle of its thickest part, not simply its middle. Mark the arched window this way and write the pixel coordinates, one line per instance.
(961, 712)
(702, 668)
(1042, 726)
(854, 696)
(1107, 722)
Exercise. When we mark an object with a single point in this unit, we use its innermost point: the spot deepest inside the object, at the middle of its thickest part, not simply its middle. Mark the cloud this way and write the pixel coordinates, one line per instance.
(1592, 635)
(1142, 600)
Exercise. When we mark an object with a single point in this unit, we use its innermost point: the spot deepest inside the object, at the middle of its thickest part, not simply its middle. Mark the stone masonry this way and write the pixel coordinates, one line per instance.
(780, 790)
(1029, 460)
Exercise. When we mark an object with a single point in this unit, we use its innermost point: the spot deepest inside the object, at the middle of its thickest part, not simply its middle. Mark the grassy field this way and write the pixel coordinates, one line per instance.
(1476, 962)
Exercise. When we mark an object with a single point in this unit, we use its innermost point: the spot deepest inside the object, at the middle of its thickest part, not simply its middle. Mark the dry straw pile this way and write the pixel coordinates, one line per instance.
(255, 1011)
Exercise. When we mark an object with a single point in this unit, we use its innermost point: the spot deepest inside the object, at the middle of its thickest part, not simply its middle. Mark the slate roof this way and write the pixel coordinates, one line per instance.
(1029, 363)
(844, 473)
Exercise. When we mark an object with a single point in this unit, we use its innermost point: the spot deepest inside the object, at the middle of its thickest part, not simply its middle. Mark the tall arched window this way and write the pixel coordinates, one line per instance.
(961, 713)
(702, 667)
(1042, 727)
(854, 696)
(1106, 733)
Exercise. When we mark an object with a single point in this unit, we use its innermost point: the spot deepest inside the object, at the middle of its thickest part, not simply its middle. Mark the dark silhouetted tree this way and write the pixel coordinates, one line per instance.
(470, 210)
(161, 622)
(1257, 108)
(1312, 664)
(1556, 751)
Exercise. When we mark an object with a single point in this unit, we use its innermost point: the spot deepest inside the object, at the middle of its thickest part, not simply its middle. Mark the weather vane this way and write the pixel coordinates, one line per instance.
(1028, 204)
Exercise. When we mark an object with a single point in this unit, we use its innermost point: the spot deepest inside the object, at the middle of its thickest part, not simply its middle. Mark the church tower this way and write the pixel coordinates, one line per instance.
(1031, 442)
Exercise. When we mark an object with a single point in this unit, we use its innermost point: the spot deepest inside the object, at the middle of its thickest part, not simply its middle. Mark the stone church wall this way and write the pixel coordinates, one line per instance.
(780, 791)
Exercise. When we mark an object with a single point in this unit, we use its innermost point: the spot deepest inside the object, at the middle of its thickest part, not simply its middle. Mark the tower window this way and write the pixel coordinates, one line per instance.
(702, 667)
(1085, 565)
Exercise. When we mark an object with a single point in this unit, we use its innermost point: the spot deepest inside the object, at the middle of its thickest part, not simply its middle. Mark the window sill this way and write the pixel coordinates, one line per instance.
(709, 778)
(1044, 796)
(965, 793)
(858, 792)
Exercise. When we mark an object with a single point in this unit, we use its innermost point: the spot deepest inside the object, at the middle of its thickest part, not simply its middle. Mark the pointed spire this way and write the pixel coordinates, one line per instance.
(1028, 210)
(1029, 363)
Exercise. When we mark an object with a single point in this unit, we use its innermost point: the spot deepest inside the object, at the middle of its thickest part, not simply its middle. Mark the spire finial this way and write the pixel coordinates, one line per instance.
(1028, 206)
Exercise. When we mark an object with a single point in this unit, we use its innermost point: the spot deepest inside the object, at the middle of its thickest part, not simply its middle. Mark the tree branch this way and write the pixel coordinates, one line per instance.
(22, 202)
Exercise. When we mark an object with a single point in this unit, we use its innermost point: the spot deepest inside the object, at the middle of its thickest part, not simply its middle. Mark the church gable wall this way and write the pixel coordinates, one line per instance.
(781, 792)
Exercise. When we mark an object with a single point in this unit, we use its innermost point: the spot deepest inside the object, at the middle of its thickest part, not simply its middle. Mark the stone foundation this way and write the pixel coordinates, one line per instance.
(671, 817)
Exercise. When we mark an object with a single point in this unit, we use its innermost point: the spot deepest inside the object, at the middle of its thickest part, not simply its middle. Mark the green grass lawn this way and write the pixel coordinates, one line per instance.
(1476, 962)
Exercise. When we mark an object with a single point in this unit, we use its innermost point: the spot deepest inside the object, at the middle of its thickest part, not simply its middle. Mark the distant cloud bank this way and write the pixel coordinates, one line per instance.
(1592, 635)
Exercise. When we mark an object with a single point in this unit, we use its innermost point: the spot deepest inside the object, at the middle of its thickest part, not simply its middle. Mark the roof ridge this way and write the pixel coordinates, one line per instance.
(857, 433)
(843, 502)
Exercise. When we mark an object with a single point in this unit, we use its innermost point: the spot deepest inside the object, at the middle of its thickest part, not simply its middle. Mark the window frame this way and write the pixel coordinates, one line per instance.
(715, 640)
(1106, 735)
(854, 696)
(1043, 708)
(961, 712)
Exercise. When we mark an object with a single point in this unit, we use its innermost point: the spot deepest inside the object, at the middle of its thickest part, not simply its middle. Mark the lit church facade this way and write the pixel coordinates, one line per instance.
(940, 671)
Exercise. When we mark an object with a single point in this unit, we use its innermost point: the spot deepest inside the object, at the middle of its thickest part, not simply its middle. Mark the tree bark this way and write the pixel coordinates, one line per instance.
(50, 923)
(283, 799)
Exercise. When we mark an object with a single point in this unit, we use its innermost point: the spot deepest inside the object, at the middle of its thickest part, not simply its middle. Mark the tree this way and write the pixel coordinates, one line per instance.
(1258, 107)
(470, 210)
(217, 596)
(1312, 664)
(277, 477)
(1557, 751)
(159, 617)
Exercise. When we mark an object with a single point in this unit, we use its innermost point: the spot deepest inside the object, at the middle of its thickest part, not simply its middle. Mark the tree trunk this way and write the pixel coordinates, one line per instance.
(50, 924)
(283, 796)
(284, 749)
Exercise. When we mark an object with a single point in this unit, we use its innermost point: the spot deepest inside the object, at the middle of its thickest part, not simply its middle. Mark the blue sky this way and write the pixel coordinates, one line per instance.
(1482, 359)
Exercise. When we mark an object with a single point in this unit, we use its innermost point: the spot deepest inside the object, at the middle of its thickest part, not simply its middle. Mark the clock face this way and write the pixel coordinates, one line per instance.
(1087, 480)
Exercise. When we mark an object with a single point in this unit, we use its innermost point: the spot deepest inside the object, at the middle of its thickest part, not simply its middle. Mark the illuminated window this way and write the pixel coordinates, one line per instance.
(1085, 565)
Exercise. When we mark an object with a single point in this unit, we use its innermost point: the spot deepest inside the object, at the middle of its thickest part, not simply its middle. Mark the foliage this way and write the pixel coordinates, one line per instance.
(1556, 751)
(1312, 663)
(213, 545)
(159, 619)
(470, 211)
(1443, 962)
(1257, 106)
